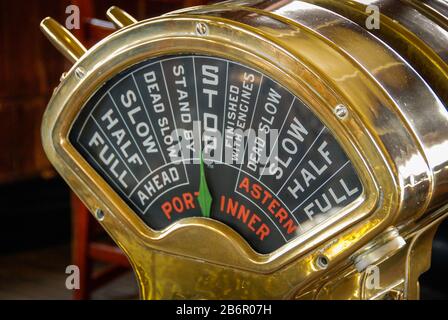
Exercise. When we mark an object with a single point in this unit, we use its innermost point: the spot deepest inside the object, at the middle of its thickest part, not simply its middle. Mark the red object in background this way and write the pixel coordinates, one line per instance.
(86, 251)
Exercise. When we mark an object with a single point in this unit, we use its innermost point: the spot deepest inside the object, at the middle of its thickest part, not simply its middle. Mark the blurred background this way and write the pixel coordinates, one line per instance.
(43, 227)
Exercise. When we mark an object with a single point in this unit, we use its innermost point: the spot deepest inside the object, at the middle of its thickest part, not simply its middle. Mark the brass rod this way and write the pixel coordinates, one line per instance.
(62, 39)
(120, 17)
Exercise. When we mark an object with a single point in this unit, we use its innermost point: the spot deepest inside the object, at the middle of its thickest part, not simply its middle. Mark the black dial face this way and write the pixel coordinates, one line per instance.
(198, 136)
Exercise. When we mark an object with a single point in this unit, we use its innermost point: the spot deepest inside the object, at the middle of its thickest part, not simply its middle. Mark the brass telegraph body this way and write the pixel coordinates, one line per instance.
(360, 177)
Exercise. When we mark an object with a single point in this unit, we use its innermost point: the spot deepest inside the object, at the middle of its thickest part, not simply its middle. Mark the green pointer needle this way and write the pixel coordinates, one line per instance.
(204, 197)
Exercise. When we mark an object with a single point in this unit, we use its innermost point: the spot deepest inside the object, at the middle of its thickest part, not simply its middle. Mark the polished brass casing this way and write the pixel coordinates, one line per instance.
(395, 133)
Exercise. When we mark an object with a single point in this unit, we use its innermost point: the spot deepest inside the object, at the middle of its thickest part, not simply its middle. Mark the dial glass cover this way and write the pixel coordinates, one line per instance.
(200, 136)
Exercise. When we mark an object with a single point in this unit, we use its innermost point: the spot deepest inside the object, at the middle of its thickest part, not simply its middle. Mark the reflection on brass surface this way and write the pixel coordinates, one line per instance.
(395, 134)
(62, 39)
(119, 17)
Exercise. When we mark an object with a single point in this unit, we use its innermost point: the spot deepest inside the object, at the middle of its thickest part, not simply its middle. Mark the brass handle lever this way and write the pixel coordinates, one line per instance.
(120, 17)
(62, 39)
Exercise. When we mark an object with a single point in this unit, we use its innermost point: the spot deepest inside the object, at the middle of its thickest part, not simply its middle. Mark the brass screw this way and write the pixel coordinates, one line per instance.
(99, 214)
(393, 295)
(201, 29)
(341, 111)
(80, 72)
(322, 262)
(63, 76)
